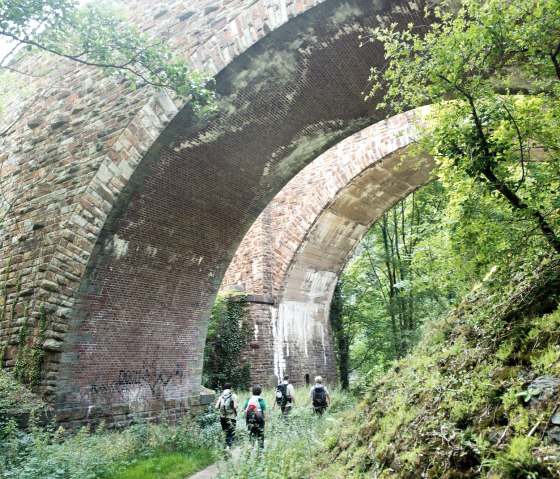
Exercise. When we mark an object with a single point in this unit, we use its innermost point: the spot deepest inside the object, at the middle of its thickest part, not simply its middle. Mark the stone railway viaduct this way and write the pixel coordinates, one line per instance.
(124, 208)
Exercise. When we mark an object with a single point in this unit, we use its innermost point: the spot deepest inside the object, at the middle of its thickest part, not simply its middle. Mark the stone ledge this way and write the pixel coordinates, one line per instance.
(260, 298)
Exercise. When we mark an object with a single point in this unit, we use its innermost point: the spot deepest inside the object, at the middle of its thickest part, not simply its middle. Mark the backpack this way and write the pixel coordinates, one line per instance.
(227, 404)
(282, 397)
(319, 397)
(254, 414)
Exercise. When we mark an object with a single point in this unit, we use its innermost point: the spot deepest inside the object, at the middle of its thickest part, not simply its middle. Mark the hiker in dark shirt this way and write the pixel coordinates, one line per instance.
(319, 396)
(285, 397)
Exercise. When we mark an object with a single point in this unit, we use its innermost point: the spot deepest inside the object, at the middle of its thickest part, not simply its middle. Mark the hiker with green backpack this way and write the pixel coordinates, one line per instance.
(227, 405)
(256, 415)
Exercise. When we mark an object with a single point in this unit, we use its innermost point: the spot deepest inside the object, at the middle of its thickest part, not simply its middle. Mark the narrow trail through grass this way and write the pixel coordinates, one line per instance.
(290, 445)
(213, 470)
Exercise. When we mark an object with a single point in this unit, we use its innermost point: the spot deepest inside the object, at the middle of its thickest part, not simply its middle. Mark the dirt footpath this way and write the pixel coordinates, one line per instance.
(212, 471)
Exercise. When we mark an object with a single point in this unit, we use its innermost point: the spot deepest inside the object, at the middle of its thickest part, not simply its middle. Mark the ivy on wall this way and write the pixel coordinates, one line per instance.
(4, 347)
(228, 335)
(27, 363)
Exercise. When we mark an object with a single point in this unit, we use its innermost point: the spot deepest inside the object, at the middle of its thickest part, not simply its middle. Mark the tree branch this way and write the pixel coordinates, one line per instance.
(520, 141)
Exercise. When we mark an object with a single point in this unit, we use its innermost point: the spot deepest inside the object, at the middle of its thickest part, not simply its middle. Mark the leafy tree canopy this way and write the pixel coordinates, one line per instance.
(492, 144)
(98, 34)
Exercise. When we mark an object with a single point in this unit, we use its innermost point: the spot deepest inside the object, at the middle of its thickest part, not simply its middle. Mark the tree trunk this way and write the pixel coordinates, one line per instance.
(502, 187)
(391, 306)
(341, 337)
(517, 203)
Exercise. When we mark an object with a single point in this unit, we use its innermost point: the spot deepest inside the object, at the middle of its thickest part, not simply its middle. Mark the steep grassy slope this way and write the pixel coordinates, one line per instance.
(479, 398)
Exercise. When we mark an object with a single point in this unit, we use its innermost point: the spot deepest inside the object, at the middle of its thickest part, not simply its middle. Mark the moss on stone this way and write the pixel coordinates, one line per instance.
(467, 403)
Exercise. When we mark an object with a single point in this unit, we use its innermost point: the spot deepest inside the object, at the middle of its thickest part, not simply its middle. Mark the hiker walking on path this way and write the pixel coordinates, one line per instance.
(319, 396)
(256, 415)
(285, 397)
(227, 404)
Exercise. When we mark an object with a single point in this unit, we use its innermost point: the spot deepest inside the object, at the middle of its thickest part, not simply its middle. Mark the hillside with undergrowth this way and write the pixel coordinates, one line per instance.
(479, 397)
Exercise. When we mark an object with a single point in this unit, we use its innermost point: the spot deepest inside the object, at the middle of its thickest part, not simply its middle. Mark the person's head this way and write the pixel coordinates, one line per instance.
(257, 390)
(227, 386)
(286, 377)
(318, 380)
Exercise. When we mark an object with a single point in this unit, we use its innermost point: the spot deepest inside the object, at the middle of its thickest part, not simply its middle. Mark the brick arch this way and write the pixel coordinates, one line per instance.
(290, 259)
(140, 204)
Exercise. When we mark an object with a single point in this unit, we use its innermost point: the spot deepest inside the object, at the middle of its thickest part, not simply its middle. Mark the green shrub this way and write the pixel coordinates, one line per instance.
(41, 453)
(16, 399)
(517, 461)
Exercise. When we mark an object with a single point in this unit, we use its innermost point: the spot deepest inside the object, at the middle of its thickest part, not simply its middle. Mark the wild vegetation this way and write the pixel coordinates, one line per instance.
(477, 398)
(144, 450)
(228, 333)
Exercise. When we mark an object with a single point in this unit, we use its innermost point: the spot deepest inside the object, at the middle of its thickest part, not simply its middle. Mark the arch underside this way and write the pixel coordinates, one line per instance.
(137, 333)
(296, 249)
(307, 289)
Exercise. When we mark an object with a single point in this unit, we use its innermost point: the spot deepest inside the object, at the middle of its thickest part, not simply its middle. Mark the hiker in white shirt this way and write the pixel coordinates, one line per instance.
(227, 404)
(285, 396)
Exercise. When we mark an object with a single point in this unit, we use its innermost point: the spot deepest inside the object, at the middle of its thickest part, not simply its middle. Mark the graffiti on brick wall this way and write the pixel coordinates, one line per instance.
(133, 383)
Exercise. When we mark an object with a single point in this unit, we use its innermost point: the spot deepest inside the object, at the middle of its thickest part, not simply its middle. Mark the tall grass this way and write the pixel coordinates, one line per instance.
(168, 465)
(44, 453)
(164, 451)
(291, 444)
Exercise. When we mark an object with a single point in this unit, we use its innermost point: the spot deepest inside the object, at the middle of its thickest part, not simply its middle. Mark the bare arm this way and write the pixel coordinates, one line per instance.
(292, 395)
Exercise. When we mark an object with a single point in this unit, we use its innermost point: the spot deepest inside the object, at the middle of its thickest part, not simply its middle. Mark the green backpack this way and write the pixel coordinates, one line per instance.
(227, 404)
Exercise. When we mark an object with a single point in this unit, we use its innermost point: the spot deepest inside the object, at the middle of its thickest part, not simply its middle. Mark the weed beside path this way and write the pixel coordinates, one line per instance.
(170, 465)
(143, 451)
(165, 451)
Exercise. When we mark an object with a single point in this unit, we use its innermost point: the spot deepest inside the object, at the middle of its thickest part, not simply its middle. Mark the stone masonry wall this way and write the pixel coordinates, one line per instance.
(123, 209)
(288, 217)
(71, 146)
